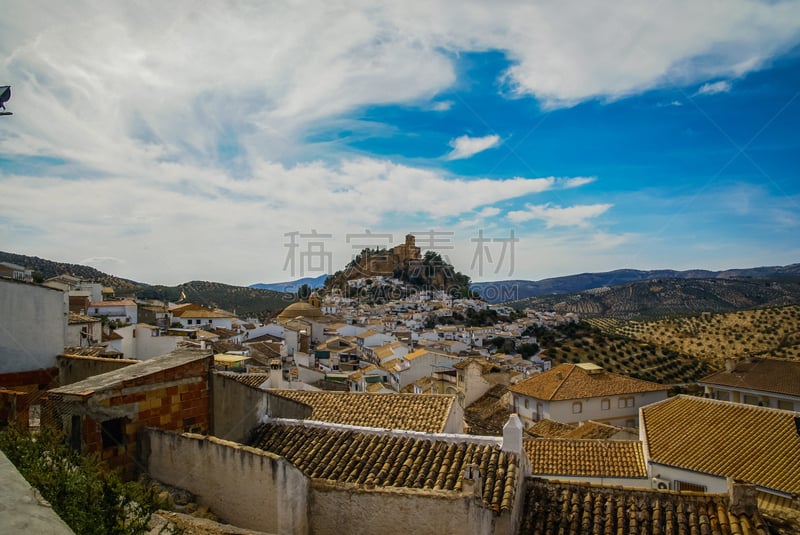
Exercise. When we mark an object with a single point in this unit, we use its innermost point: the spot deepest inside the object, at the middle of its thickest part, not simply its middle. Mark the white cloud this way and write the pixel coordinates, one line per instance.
(557, 216)
(465, 146)
(723, 86)
(442, 105)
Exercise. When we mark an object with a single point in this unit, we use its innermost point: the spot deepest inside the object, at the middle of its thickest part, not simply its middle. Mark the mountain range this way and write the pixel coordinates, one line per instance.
(622, 293)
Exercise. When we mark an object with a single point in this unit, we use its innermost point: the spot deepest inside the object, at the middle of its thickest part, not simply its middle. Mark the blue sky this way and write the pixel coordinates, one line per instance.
(166, 143)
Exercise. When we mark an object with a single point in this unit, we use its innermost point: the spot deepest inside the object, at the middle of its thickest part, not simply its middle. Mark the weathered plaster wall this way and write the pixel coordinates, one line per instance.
(244, 486)
(338, 509)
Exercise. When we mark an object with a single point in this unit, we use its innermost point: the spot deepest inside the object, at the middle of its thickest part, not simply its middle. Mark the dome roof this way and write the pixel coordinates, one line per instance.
(301, 308)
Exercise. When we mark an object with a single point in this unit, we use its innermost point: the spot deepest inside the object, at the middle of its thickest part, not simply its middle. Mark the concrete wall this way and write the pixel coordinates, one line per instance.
(247, 487)
(74, 369)
(349, 509)
(34, 326)
(237, 408)
(23, 509)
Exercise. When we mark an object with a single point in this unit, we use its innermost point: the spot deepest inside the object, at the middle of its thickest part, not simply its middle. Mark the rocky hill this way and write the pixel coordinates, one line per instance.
(670, 297)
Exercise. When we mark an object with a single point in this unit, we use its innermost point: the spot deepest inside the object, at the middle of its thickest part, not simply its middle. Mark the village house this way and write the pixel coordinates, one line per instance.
(82, 330)
(191, 315)
(573, 393)
(123, 311)
(696, 444)
(766, 382)
(102, 414)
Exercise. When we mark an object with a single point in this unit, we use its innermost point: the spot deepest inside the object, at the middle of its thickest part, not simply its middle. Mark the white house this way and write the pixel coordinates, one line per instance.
(766, 382)
(82, 331)
(695, 444)
(143, 342)
(199, 316)
(573, 393)
(123, 310)
(418, 364)
(34, 325)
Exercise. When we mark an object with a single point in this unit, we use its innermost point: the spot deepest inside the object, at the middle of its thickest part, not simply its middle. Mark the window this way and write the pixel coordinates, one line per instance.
(785, 404)
(605, 404)
(113, 432)
(625, 402)
(690, 487)
(577, 407)
(526, 403)
(723, 395)
(751, 399)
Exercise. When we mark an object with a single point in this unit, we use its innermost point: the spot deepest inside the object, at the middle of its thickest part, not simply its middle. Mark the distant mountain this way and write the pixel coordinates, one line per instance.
(672, 296)
(512, 290)
(49, 269)
(292, 286)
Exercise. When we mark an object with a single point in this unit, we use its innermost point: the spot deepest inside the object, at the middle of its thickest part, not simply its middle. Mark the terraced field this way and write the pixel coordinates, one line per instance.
(711, 337)
(626, 356)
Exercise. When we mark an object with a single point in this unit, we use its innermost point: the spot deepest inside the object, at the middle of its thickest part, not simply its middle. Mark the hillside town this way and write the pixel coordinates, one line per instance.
(340, 406)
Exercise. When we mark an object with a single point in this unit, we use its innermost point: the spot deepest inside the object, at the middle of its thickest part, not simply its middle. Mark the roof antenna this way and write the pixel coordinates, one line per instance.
(5, 96)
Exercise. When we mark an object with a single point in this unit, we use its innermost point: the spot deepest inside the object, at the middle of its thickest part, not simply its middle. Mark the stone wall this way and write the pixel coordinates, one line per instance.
(244, 486)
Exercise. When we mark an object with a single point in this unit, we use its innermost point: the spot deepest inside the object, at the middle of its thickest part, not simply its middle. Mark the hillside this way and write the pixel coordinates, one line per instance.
(245, 302)
(512, 290)
(773, 332)
(48, 269)
(617, 353)
(242, 300)
(671, 297)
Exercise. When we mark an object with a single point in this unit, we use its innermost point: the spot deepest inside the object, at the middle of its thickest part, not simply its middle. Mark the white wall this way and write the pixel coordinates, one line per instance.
(33, 326)
(590, 409)
(246, 487)
(713, 484)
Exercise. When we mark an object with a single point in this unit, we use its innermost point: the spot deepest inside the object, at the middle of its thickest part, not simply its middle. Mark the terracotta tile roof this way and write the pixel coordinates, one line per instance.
(254, 380)
(80, 318)
(391, 460)
(586, 458)
(201, 313)
(769, 375)
(569, 381)
(590, 429)
(550, 429)
(755, 444)
(414, 412)
(578, 509)
(91, 351)
(118, 303)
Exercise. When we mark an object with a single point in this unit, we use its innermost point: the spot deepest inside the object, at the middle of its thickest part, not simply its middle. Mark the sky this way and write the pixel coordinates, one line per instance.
(250, 142)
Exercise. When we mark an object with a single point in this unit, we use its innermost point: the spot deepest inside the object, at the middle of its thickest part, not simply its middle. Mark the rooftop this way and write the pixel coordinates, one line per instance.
(571, 509)
(415, 412)
(769, 375)
(104, 381)
(755, 444)
(392, 460)
(570, 381)
(586, 458)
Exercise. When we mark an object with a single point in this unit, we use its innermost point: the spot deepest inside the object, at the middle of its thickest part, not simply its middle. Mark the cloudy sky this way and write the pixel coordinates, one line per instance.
(247, 142)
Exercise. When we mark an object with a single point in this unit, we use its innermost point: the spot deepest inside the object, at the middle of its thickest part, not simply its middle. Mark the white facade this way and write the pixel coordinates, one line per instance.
(421, 366)
(123, 311)
(752, 397)
(34, 326)
(620, 410)
(143, 342)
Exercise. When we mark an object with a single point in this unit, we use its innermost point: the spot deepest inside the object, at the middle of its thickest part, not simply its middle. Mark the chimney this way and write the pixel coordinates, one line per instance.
(730, 364)
(512, 434)
(742, 497)
(471, 481)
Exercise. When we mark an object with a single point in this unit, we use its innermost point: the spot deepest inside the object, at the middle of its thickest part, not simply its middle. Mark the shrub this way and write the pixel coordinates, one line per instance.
(90, 498)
